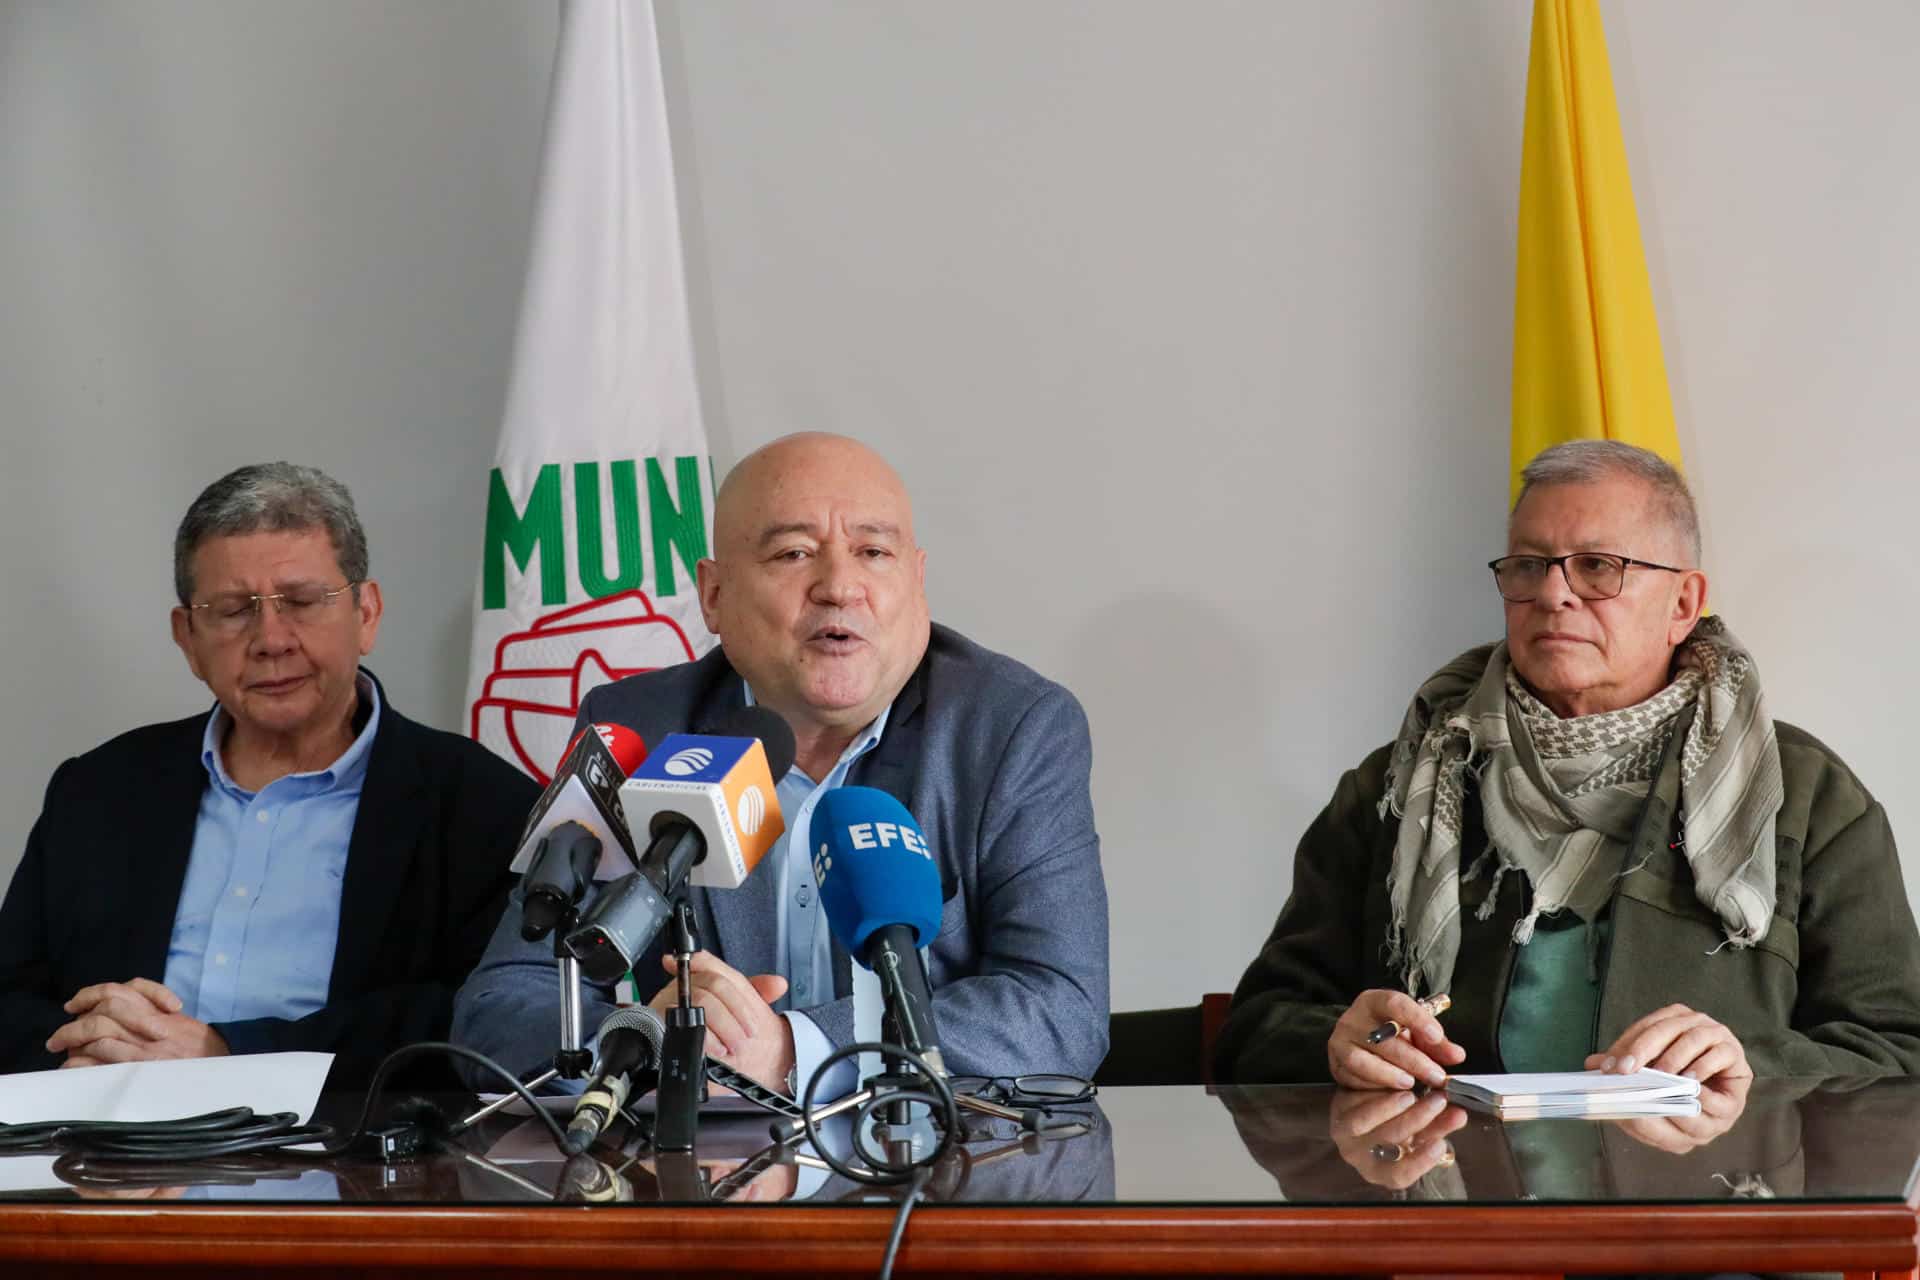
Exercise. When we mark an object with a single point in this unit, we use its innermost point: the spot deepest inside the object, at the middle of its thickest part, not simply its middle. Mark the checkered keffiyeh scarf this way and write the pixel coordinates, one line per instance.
(1570, 836)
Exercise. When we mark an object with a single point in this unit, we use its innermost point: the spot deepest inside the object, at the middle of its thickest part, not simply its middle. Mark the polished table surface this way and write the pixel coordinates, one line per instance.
(1797, 1175)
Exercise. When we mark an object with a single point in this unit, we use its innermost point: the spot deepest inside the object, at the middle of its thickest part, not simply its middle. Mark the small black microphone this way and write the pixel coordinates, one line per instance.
(558, 877)
(629, 1049)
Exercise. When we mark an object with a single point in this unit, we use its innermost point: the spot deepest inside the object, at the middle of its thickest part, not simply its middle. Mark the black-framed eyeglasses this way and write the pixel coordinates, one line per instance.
(1591, 575)
(229, 615)
(1041, 1090)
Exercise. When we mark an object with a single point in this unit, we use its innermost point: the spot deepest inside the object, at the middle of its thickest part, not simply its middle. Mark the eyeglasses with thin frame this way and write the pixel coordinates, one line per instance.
(1026, 1091)
(232, 615)
(1591, 575)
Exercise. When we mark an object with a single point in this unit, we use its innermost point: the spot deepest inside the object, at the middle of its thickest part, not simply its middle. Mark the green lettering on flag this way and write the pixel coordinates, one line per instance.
(626, 527)
(675, 527)
(538, 528)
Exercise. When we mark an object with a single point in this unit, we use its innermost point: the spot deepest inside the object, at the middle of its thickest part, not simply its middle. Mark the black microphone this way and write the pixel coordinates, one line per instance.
(629, 1049)
(583, 1178)
(575, 825)
(557, 878)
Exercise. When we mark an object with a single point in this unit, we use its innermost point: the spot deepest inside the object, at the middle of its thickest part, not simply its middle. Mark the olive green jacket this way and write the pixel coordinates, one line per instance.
(1833, 989)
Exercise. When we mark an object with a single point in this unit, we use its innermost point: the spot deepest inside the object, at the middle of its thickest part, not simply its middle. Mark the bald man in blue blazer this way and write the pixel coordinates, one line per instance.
(817, 594)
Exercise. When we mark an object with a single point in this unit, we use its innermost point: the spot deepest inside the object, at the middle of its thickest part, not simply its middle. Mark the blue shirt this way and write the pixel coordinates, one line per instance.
(259, 914)
(801, 937)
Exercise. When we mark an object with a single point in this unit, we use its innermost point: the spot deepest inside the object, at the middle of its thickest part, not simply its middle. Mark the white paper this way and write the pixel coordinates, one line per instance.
(1574, 1089)
(162, 1090)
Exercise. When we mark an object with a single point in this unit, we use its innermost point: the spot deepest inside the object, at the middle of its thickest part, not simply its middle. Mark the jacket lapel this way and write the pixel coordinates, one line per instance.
(386, 835)
(157, 861)
(893, 766)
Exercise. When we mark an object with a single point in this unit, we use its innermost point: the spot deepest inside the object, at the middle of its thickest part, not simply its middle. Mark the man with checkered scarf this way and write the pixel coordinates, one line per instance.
(1594, 839)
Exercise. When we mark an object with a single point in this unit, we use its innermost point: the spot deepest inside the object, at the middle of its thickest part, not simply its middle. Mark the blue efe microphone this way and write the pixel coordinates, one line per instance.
(881, 892)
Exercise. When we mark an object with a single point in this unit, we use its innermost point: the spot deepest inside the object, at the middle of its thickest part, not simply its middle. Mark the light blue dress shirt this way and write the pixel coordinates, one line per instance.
(259, 914)
(800, 926)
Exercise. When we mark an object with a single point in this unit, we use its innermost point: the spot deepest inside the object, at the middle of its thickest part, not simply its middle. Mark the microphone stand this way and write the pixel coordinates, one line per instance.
(572, 1060)
(683, 1054)
(681, 1179)
(898, 1078)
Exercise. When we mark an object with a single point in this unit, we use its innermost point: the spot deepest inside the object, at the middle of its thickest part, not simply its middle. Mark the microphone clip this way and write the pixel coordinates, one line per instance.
(683, 1054)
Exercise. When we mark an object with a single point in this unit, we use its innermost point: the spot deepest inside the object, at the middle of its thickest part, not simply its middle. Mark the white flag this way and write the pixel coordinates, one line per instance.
(600, 501)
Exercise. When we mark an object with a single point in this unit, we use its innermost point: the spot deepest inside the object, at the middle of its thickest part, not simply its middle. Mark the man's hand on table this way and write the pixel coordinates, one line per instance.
(743, 1031)
(1421, 1053)
(1678, 1040)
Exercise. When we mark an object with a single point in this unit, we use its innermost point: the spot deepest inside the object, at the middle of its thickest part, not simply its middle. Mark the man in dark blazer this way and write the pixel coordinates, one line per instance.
(817, 593)
(304, 868)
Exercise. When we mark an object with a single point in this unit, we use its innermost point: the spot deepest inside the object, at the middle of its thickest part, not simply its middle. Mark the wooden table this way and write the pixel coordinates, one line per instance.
(1180, 1182)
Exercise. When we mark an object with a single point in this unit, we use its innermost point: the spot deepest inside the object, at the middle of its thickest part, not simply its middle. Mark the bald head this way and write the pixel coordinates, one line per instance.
(817, 588)
(767, 481)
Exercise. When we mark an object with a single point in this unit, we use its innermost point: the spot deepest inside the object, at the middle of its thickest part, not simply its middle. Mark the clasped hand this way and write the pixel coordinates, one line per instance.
(131, 1021)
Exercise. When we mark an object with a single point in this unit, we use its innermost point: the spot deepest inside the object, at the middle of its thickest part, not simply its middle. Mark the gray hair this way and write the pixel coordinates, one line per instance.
(1590, 461)
(274, 497)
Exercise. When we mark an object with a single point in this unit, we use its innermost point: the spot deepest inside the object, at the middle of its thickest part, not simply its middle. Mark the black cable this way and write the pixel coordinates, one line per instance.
(920, 1178)
(40, 1135)
(81, 1170)
(162, 1143)
(930, 1089)
(216, 1134)
(404, 1052)
(238, 1131)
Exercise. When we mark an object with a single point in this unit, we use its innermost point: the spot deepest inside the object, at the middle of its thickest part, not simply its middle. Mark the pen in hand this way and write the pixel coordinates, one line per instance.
(1435, 1004)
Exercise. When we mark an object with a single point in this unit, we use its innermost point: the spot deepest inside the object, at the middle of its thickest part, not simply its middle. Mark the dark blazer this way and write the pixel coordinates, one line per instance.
(94, 898)
(993, 760)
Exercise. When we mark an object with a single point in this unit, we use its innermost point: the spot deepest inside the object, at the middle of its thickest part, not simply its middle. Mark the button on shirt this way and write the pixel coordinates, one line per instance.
(259, 913)
(802, 940)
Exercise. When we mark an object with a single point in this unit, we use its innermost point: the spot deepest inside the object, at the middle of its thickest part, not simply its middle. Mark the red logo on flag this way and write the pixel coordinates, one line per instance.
(530, 700)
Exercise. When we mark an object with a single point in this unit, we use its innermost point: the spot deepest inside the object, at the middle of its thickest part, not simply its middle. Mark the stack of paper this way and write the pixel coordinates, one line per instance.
(1579, 1093)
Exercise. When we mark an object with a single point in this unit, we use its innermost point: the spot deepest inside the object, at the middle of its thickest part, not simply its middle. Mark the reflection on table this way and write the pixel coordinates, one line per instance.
(1780, 1140)
(1794, 1139)
(994, 1162)
(513, 1161)
(1794, 1176)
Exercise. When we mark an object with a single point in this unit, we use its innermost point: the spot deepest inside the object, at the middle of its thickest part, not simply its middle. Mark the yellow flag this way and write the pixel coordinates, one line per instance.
(1586, 344)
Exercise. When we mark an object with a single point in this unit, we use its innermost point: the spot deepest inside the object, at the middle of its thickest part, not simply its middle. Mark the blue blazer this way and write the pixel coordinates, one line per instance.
(993, 761)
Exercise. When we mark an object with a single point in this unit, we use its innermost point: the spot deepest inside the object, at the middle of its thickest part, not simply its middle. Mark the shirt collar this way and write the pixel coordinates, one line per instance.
(351, 767)
(864, 741)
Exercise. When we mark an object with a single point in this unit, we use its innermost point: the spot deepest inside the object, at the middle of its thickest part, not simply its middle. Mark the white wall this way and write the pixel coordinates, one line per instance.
(1189, 326)
(232, 232)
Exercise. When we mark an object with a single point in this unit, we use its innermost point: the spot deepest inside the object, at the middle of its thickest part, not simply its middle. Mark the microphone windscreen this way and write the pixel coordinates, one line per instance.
(627, 746)
(586, 789)
(775, 734)
(873, 867)
(637, 1018)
